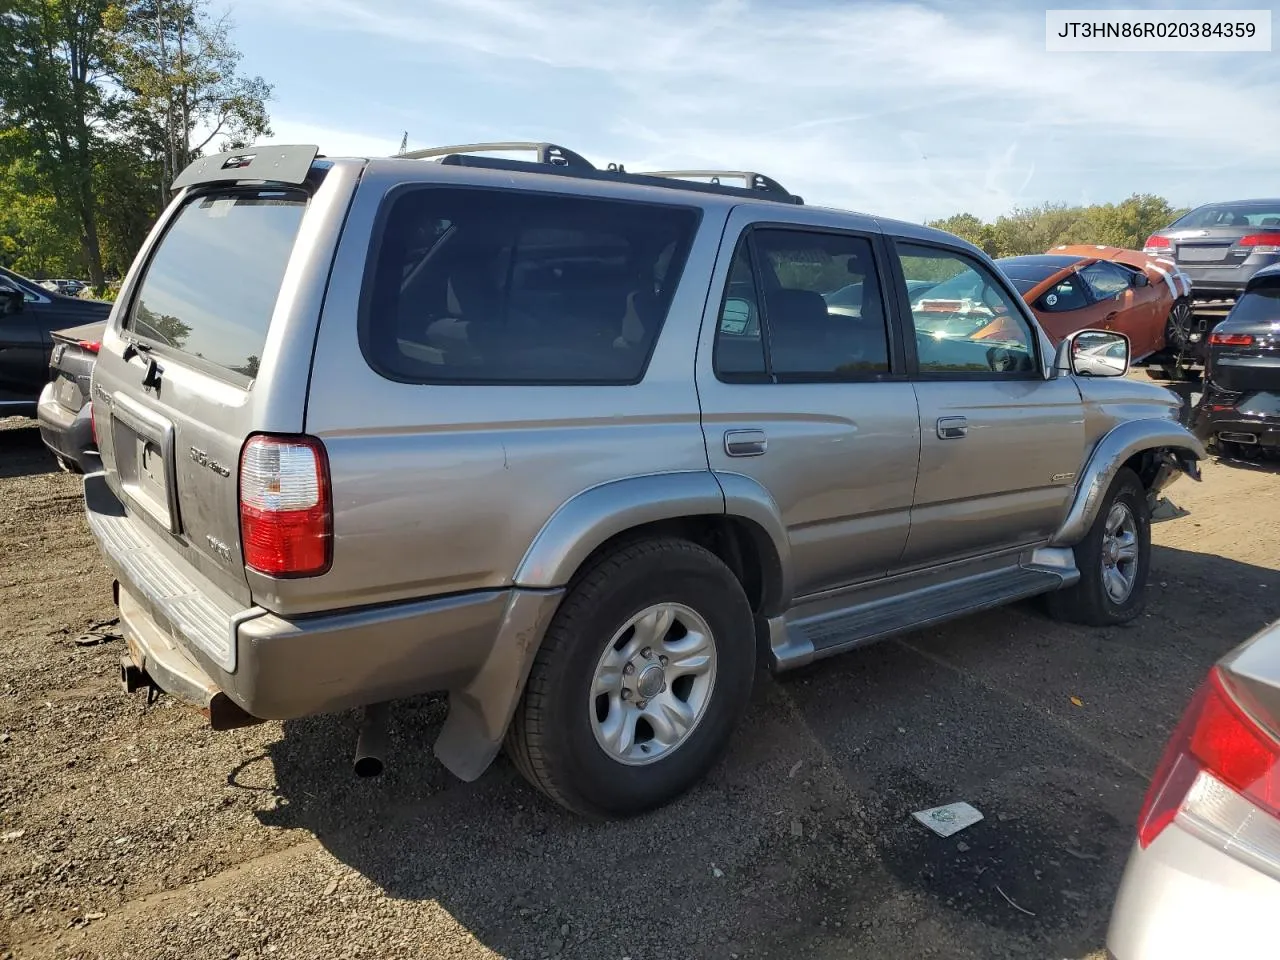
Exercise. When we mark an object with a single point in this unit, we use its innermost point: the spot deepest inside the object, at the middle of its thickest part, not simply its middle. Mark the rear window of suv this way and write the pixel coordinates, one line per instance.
(473, 285)
(212, 284)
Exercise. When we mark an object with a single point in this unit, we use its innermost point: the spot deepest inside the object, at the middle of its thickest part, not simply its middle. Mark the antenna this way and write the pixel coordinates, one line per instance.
(404, 144)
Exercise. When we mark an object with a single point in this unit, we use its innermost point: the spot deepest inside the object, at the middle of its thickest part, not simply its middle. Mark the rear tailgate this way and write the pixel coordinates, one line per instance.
(213, 344)
(1246, 346)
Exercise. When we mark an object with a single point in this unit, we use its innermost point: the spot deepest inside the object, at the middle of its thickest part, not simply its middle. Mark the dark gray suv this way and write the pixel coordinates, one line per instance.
(1221, 245)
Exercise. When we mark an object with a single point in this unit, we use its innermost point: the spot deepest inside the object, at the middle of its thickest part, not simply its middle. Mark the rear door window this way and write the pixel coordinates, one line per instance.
(211, 286)
(492, 286)
(814, 304)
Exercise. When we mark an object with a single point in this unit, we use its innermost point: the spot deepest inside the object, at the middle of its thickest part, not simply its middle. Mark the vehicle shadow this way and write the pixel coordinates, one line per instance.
(22, 452)
(802, 842)
(1263, 463)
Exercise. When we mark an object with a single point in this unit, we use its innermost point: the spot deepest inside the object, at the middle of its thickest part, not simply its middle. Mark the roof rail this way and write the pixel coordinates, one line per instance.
(550, 153)
(750, 180)
(561, 161)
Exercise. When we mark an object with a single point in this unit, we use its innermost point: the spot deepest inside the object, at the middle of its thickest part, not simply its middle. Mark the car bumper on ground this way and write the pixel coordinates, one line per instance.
(195, 642)
(1183, 898)
(68, 433)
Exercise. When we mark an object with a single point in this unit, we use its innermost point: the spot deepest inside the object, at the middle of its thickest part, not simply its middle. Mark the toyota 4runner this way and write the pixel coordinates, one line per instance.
(580, 447)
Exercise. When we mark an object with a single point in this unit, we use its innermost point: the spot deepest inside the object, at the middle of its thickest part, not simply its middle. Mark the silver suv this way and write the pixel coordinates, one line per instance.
(581, 447)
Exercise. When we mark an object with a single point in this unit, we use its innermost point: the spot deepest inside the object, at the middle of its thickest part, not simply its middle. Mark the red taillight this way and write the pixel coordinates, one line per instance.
(1230, 339)
(1215, 737)
(1155, 243)
(93, 346)
(1261, 242)
(286, 519)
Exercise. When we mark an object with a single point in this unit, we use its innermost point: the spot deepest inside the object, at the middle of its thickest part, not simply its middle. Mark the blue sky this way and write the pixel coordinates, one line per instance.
(906, 109)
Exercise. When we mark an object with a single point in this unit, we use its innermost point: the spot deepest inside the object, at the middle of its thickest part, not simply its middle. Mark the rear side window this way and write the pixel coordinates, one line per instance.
(495, 286)
(212, 284)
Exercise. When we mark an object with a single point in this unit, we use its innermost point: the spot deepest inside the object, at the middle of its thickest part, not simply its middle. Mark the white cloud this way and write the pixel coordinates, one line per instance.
(332, 141)
(894, 108)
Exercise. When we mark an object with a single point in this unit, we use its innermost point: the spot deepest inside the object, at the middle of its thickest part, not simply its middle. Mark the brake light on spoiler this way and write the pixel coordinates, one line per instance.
(286, 512)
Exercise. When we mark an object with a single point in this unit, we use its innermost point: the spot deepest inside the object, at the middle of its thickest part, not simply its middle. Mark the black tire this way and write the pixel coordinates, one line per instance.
(1088, 601)
(551, 739)
(1158, 373)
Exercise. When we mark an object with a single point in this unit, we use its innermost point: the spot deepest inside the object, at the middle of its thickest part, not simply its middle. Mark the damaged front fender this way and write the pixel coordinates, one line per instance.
(1161, 449)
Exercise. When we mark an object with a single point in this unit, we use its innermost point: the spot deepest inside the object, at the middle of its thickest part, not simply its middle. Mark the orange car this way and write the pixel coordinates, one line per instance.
(1073, 287)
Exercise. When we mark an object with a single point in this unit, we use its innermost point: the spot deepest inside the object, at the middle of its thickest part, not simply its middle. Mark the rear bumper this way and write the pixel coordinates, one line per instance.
(1182, 898)
(1231, 280)
(68, 433)
(1236, 425)
(477, 646)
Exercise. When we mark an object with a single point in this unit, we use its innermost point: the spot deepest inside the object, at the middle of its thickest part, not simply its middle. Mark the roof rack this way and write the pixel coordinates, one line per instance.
(565, 162)
(750, 180)
(551, 153)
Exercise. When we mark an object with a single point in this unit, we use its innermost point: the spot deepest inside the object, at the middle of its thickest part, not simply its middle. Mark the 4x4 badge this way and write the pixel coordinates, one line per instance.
(202, 458)
(1063, 477)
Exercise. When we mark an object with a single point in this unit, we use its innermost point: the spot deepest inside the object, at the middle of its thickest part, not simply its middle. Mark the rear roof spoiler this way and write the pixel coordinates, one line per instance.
(269, 164)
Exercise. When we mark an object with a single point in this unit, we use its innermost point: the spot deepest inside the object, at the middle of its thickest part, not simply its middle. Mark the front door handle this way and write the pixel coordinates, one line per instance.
(745, 443)
(952, 428)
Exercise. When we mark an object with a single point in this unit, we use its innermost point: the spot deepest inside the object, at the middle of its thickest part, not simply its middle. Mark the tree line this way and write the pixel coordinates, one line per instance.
(1037, 229)
(102, 103)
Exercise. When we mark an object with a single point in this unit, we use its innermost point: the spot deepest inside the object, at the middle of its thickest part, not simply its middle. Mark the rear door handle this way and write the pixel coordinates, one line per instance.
(952, 428)
(745, 443)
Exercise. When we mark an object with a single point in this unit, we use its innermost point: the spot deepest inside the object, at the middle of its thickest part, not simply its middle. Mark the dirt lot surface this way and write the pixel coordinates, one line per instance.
(135, 832)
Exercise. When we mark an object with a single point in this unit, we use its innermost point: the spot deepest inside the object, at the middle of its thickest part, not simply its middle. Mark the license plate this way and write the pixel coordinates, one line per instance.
(69, 395)
(1202, 253)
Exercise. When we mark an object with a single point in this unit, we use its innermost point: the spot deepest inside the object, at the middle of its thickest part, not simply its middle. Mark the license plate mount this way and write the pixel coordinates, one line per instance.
(144, 459)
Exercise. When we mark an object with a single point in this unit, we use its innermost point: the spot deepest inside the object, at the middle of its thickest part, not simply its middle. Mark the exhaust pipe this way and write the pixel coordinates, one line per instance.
(1247, 438)
(371, 744)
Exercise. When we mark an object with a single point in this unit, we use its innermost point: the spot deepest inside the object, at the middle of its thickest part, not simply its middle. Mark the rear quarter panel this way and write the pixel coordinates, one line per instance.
(443, 488)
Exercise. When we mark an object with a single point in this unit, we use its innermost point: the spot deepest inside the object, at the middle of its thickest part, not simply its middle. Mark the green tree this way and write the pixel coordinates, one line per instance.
(186, 92)
(54, 58)
(968, 227)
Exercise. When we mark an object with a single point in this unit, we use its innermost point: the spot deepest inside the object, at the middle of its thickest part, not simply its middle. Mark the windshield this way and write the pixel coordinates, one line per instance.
(211, 287)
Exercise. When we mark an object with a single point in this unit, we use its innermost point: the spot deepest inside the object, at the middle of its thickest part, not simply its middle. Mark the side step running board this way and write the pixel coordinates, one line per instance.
(795, 642)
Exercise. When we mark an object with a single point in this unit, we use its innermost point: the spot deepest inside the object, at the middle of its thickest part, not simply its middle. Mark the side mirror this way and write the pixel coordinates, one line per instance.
(1093, 353)
(1140, 280)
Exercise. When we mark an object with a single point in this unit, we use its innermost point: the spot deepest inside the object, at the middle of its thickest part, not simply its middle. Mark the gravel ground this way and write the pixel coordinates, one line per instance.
(128, 831)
